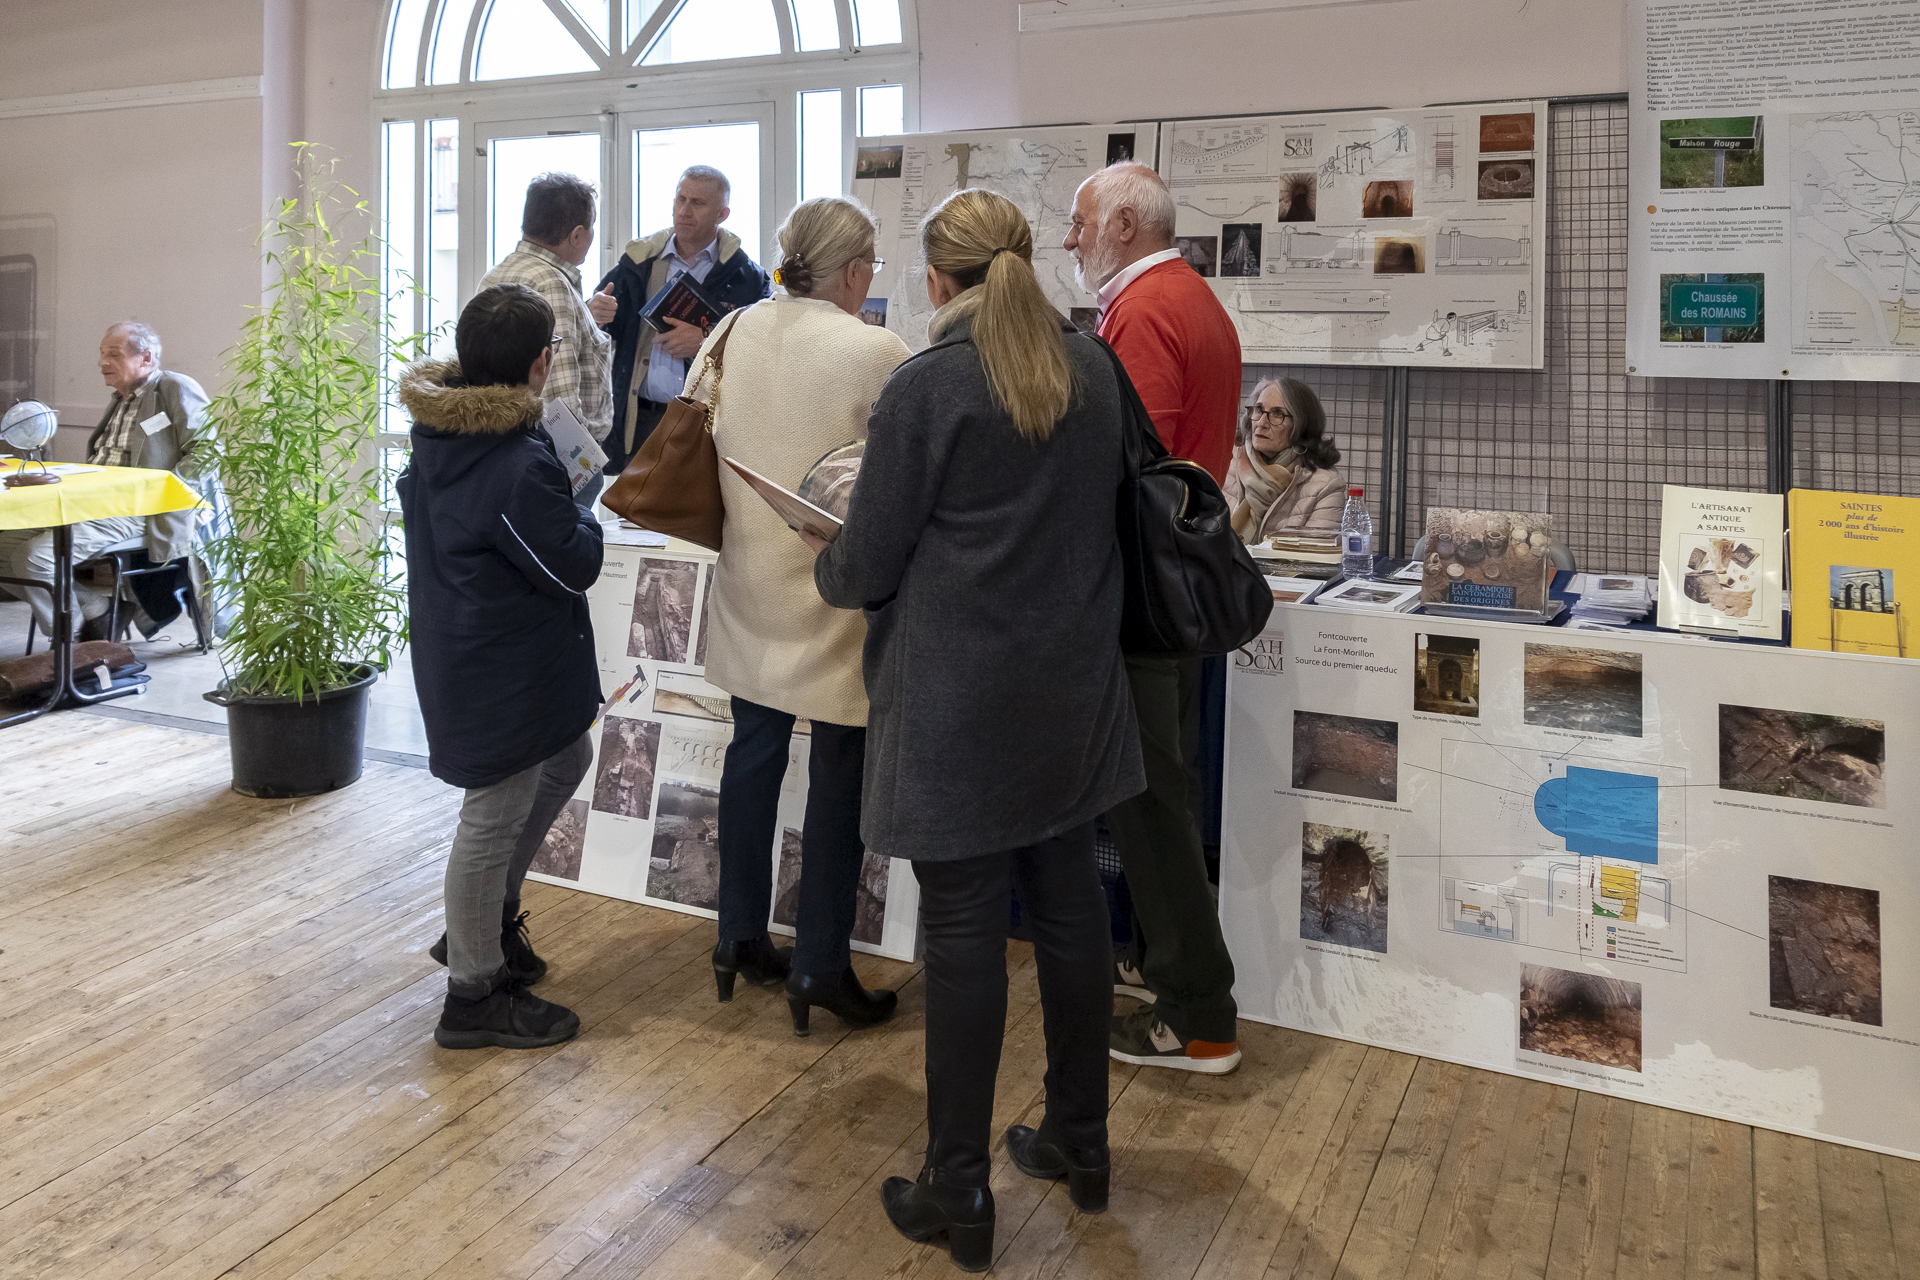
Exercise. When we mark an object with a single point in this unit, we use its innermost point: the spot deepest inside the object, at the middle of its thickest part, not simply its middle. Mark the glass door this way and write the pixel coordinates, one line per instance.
(658, 146)
(511, 153)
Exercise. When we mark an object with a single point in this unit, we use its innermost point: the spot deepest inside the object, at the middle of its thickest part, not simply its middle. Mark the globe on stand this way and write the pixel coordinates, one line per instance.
(26, 427)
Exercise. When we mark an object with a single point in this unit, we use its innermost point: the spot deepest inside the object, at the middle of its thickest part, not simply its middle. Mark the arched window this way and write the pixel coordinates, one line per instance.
(476, 96)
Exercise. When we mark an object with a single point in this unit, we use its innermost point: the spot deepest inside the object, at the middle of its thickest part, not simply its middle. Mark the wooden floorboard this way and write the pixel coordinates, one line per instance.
(218, 1061)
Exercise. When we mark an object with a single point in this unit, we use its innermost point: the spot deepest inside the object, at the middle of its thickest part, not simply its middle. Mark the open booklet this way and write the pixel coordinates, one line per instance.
(801, 516)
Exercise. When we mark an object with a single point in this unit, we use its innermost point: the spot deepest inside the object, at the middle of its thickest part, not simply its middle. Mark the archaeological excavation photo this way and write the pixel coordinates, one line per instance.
(1343, 886)
(1580, 1015)
(1446, 675)
(566, 841)
(1346, 755)
(685, 863)
(1823, 949)
(663, 610)
(870, 904)
(1586, 690)
(1803, 755)
(628, 750)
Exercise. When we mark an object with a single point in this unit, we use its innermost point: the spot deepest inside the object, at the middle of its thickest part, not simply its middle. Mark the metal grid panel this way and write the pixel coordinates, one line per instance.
(1592, 442)
(1857, 437)
(1354, 397)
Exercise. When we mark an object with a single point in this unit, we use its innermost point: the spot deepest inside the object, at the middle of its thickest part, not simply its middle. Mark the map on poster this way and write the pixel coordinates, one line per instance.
(901, 179)
(1856, 222)
(1407, 238)
(645, 823)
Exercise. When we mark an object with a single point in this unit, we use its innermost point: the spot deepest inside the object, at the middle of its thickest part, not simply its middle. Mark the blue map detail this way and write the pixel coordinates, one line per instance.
(1603, 813)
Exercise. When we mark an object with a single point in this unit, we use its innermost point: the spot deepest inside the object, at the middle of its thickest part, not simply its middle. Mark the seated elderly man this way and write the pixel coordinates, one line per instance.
(155, 421)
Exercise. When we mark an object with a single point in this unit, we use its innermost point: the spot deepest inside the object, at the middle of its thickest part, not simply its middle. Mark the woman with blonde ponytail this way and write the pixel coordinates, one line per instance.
(980, 541)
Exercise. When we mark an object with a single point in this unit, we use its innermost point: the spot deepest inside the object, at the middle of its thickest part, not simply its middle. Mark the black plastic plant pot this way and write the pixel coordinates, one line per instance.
(283, 748)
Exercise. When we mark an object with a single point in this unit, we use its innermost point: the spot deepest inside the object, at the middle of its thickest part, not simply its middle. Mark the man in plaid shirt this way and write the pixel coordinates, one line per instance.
(557, 235)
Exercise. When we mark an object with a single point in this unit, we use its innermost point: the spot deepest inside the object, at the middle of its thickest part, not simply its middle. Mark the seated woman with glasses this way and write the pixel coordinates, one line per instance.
(1282, 476)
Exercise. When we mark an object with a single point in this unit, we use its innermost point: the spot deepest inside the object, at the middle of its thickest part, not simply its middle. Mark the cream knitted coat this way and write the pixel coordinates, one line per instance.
(801, 377)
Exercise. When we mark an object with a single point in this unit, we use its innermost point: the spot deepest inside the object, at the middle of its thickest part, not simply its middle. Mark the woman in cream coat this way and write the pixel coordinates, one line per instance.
(1282, 476)
(801, 373)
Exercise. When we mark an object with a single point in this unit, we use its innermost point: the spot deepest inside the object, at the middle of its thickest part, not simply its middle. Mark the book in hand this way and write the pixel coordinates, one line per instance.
(682, 298)
(800, 515)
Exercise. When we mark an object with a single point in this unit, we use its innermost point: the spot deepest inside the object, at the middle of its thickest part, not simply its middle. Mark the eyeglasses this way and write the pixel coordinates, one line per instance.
(877, 263)
(555, 341)
(1271, 415)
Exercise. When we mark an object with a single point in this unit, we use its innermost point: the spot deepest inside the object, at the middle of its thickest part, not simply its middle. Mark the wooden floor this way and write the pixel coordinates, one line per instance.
(216, 1059)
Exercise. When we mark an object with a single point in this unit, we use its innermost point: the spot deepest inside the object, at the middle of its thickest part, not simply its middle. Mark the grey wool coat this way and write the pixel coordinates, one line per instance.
(989, 570)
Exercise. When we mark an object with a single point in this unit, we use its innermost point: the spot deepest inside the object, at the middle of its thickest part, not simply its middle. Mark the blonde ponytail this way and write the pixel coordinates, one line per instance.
(980, 238)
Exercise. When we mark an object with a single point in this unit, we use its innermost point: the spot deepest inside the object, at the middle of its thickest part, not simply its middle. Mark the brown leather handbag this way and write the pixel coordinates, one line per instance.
(672, 486)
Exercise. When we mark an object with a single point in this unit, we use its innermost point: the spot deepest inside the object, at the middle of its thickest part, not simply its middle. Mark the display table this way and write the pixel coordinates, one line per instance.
(644, 824)
(1642, 864)
(92, 495)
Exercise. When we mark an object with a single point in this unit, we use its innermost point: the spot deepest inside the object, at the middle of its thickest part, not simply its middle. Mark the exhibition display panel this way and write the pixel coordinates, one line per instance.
(644, 825)
(1664, 868)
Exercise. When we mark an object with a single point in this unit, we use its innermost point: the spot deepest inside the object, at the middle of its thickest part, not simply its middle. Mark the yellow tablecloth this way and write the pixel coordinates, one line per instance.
(92, 495)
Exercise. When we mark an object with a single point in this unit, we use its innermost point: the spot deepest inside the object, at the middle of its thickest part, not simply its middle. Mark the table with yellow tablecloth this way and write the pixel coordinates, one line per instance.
(93, 493)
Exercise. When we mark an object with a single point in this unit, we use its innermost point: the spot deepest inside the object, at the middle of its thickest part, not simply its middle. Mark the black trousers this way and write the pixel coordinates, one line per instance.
(830, 848)
(964, 908)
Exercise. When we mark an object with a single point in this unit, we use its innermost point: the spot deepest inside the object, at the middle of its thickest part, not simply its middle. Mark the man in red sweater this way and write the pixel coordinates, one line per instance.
(1183, 354)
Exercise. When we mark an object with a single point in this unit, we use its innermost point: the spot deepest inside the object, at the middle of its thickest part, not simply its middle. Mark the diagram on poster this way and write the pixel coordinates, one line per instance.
(1406, 238)
(1563, 850)
(901, 179)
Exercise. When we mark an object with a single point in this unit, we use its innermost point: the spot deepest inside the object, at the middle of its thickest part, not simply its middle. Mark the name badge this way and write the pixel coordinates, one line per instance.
(158, 422)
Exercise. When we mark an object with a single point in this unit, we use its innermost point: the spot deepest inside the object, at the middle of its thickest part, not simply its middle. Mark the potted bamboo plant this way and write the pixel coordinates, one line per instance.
(300, 563)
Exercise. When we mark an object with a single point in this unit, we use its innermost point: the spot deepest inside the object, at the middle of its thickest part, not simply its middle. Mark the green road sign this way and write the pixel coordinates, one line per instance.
(1731, 306)
(1712, 144)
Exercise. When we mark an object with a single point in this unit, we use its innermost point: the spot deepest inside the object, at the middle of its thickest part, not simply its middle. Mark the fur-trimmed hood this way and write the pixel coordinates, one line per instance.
(656, 244)
(426, 395)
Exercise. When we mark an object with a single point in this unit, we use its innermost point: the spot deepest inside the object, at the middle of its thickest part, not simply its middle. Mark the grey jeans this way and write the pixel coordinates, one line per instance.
(500, 831)
(28, 553)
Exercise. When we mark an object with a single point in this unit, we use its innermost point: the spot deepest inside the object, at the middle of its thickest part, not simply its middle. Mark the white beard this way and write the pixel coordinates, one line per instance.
(1093, 268)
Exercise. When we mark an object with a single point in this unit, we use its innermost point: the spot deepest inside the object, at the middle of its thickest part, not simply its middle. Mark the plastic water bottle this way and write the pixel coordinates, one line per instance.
(1356, 536)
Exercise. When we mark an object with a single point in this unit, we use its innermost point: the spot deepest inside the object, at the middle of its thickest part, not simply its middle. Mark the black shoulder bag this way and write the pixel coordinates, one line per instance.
(1191, 586)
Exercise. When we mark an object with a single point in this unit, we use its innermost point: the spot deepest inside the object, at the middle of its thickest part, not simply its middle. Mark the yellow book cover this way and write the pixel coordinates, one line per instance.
(1856, 571)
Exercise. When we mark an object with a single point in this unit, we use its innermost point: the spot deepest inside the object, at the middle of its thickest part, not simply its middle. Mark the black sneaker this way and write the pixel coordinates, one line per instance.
(1142, 1039)
(508, 1018)
(523, 966)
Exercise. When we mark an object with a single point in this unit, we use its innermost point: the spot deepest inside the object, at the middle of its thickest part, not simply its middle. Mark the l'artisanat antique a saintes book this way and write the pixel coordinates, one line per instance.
(1855, 559)
(1721, 554)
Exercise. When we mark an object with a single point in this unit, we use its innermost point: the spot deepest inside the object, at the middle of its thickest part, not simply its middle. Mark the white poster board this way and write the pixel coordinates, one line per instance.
(644, 824)
(1774, 189)
(1676, 870)
(1412, 237)
(902, 178)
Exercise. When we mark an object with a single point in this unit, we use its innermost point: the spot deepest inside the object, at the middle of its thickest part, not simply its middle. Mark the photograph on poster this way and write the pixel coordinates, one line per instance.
(706, 616)
(1241, 256)
(1823, 949)
(1085, 319)
(1731, 307)
(1299, 197)
(1399, 255)
(682, 693)
(878, 162)
(559, 853)
(1720, 151)
(1201, 252)
(870, 903)
(1446, 675)
(1801, 755)
(1346, 755)
(1119, 147)
(1580, 1015)
(1860, 589)
(1388, 199)
(1343, 886)
(663, 593)
(1506, 180)
(874, 312)
(1509, 131)
(1722, 573)
(685, 866)
(629, 750)
(1587, 690)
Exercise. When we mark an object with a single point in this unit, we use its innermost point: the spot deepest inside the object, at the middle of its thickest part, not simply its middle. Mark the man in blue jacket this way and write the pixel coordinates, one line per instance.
(498, 563)
(649, 369)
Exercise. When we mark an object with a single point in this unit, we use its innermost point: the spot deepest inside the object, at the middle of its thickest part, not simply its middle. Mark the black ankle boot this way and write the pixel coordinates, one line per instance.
(757, 958)
(523, 966)
(1039, 1153)
(506, 1017)
(922, 1210)
(842, 995)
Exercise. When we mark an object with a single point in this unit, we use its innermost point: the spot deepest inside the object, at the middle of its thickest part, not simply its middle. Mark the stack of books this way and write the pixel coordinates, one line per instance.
(1299, 555)
(1608, 601)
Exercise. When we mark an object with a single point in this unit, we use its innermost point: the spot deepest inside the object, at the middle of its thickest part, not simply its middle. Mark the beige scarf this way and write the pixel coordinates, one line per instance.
(961, 304)
(1263, 484)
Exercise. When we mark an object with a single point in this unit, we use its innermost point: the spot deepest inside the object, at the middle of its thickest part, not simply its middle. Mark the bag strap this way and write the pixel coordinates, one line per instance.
(1143, 443)
(710, 364)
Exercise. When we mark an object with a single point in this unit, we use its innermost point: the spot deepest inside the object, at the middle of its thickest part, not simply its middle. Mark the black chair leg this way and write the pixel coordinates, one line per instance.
(33, 626)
